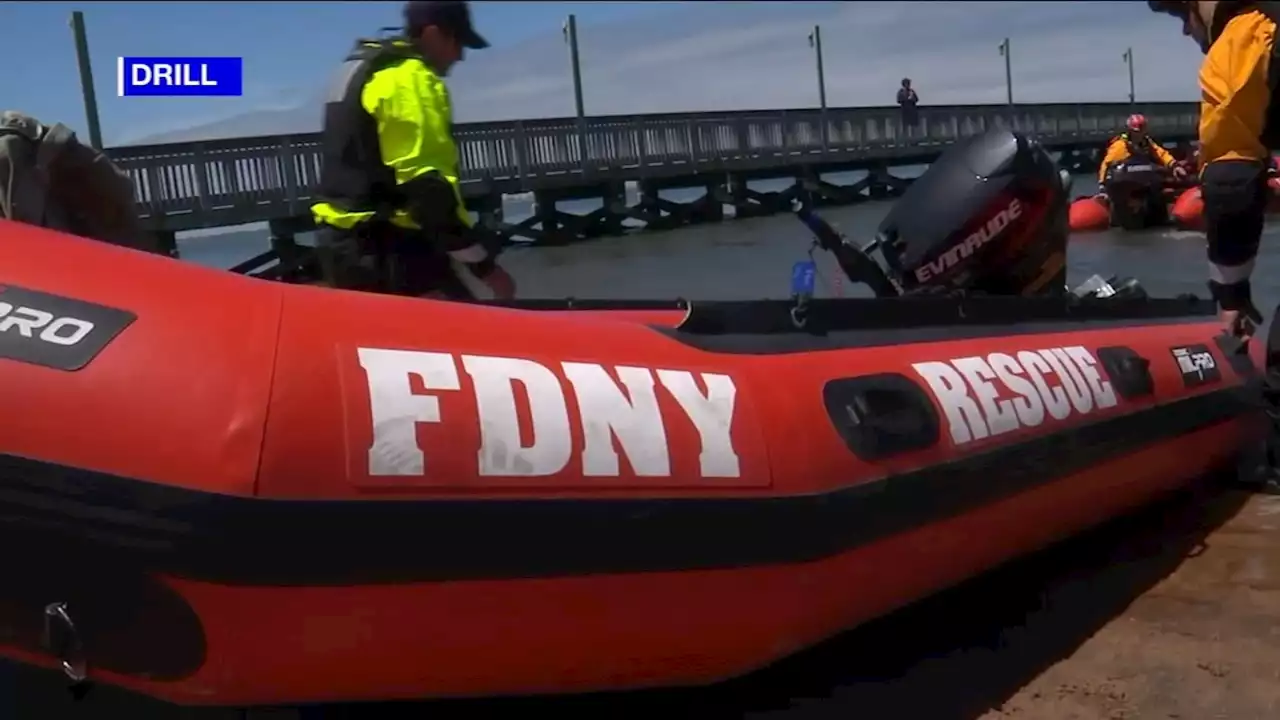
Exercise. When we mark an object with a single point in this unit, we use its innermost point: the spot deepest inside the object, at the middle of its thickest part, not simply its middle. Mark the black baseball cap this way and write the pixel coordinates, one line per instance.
(451, 16)
(1176, 8)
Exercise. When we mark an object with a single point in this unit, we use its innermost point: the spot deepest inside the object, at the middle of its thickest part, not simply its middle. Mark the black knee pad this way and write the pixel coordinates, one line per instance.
(1235, 204)
(1234, 188)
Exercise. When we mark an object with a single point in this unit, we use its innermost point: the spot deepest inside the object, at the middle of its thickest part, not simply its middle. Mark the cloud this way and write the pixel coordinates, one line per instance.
(732, 56)
(757, 56)
(723, 45)
(752, 58)
(264, 96)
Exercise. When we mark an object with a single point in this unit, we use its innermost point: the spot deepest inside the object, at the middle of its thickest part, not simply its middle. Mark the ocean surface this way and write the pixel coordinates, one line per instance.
(743, 259)
(858, 676)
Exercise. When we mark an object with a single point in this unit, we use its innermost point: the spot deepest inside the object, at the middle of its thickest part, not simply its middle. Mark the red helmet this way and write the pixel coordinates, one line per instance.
(1137, 122)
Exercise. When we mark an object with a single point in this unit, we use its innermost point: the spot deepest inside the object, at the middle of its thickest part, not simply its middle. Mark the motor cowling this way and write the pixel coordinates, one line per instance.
(1133, 175)
(989, 216)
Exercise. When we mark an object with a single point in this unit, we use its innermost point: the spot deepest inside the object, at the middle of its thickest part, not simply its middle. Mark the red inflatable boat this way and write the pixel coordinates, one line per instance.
(1185, 207)
(1137, 195)
(221, 490)
(1188, 209)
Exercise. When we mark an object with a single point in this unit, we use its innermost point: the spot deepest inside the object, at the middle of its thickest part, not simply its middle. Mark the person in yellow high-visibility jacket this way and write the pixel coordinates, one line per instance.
(1135, 143)
(389, 187)
(1239, 129)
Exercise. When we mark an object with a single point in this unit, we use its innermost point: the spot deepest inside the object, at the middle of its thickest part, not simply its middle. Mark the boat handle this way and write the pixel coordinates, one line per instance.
(62, 639)
(881, 415)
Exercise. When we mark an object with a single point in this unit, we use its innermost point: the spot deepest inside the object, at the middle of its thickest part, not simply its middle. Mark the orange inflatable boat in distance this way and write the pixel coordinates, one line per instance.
(1093, 213)
(238, 492)
(1137, 196)
(1188, 209)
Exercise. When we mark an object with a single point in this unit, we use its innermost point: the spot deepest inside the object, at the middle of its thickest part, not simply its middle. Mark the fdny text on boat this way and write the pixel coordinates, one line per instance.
(625, 409)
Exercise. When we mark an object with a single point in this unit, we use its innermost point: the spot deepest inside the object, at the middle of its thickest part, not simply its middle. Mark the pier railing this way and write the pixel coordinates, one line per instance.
(212, 183)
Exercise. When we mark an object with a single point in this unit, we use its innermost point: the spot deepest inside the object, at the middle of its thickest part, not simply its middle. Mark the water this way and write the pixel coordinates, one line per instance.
(742, 259)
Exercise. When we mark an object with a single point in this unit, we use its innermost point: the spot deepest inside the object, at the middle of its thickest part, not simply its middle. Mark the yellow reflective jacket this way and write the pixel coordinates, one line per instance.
(414, 115)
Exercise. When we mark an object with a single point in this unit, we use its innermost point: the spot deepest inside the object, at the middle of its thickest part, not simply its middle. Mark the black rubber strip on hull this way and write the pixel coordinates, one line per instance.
(792, 342)
(766, 327)
(251, 541)
(769, 330)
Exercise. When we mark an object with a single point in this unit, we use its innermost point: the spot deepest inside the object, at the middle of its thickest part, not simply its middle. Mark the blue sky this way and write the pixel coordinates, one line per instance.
(637, 57)
(288, 48)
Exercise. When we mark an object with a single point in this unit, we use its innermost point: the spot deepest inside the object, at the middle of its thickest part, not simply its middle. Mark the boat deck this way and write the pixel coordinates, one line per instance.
(1173, 612)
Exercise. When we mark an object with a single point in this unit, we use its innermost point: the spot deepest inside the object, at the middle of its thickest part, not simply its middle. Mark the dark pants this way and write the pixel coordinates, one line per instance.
(1235, 206)
(384, 258)
(910, 121)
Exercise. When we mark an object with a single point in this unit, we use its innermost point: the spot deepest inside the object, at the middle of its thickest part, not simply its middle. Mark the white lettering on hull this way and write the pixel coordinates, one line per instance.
(712, 418)
(632, 416)
(626, 410)
(396, 410)
(502, 451)
(25, 321)
(990, 395)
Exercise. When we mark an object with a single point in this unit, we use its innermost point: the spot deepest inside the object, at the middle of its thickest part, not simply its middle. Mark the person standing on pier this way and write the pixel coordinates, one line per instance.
(1239, 128)
(389, 187)
(908, 101)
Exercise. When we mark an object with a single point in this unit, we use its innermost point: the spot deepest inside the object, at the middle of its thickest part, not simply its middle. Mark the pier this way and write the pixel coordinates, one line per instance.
(217, 183)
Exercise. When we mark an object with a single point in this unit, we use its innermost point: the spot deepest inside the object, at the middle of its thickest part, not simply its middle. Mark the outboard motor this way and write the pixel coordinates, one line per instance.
(989, 216)
(1136, 192)
(1138, 175)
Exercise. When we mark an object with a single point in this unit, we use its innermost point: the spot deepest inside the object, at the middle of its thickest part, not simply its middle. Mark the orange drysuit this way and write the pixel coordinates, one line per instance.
(1123, 148)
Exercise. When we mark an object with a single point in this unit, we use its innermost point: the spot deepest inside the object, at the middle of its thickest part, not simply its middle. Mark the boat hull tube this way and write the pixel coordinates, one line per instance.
(1188, 209)
(221, 490)
(1137, 196)
(1157, 205)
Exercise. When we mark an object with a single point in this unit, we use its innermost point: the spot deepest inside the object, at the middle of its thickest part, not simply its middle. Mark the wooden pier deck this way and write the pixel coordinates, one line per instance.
(218, 183)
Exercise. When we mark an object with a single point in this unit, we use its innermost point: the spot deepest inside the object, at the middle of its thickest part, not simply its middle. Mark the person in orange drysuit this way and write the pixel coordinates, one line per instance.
(1135, 144)
(1239, 128)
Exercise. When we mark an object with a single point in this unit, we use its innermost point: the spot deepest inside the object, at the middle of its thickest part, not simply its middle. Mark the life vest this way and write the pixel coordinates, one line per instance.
(50, 179)
(353, 177)
(1225, 11)
(1139, 150)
